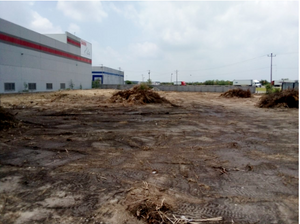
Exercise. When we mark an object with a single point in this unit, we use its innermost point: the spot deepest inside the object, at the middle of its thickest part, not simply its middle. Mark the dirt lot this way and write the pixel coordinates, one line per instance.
(78, 159)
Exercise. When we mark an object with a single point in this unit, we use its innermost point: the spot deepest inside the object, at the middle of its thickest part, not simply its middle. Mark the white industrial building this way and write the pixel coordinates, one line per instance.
(30, 61)
(107, 75)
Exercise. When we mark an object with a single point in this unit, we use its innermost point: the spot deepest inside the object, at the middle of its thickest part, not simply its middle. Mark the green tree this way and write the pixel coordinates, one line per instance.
(71, 84)
(96, 84)
(264, 82)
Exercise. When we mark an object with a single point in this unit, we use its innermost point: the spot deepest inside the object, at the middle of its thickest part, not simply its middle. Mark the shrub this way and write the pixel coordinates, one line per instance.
(96, 84)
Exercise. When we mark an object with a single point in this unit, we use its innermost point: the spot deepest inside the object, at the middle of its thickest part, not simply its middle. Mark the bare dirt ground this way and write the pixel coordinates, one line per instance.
(78, 159)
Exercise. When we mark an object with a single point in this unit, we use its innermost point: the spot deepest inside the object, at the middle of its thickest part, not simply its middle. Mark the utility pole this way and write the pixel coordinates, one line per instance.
(171, 77)
(149, 75)
(271, 66)
(176, 77)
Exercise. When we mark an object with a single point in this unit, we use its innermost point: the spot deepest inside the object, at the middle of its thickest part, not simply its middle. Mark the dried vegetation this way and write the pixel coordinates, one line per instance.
(139, 94)
(149, 204)
(7, 119)
(237, 93)
(286, 98)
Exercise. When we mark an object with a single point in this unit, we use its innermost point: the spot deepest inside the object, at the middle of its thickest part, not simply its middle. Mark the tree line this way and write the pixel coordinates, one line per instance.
(207, 82)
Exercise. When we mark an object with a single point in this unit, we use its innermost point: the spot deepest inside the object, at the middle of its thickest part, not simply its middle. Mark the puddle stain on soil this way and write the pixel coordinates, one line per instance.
(92, 161)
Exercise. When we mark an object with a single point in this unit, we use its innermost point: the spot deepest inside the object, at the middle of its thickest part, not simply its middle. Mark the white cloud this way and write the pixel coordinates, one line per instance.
(107, 56)
(196, 35)
(128, 10)
(144, 50)
(74, 29)
(82, 11)
(16, 12)
(43, 25)
(178, 24)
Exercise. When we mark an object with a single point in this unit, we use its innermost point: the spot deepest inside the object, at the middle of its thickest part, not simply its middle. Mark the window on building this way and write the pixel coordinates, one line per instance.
(62, 85)
(49, 86)
(31, 86)
(9, 86)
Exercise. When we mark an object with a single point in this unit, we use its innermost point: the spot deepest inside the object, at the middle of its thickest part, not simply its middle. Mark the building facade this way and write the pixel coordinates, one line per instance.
(107, 75)
(34, 62)
(30, 61)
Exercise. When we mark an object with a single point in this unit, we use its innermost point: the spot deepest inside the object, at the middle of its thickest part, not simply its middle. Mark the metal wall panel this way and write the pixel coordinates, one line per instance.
(110, 75)
(6, 27)
(19, 64)
(48, 41)
(11, 58)
(29, 35)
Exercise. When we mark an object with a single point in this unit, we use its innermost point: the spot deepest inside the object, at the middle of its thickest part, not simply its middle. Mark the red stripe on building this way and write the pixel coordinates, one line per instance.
(44, 49)
(73, 42)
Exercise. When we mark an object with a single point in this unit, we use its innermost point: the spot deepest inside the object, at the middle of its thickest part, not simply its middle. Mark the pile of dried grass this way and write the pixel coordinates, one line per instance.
(148, 203)
(286, 98)
(150, 211)
(7, 120)
(237, 93)
(139, 94)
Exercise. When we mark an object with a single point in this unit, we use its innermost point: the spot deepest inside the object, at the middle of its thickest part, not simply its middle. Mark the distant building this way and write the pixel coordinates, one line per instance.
(290, 84)
(30, 61)
(107, 75)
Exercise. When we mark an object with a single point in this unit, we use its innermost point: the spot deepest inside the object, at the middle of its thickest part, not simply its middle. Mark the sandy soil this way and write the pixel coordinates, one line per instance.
(78, 159)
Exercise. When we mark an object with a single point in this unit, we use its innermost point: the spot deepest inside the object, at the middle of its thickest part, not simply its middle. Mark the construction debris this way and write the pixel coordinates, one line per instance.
(287, 98)
(237, 93)
(139, 94)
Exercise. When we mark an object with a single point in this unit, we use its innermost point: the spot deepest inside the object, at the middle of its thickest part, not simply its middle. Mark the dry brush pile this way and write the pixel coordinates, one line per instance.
(237, 93)
(7, 119)
(149, 204)
(286, 98)
(139, 94)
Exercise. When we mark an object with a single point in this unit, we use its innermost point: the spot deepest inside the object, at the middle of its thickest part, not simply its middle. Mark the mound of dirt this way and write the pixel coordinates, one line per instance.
(7, 120)
(286, 98)
(139, 94)
(237, 93)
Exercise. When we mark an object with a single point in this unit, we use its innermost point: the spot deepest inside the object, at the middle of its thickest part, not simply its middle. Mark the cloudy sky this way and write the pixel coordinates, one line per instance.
(202, 40)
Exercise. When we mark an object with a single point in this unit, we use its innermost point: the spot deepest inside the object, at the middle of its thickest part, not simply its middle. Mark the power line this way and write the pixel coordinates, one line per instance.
(288, 53)
(229, 73)
(227, 64)
(203, 69)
